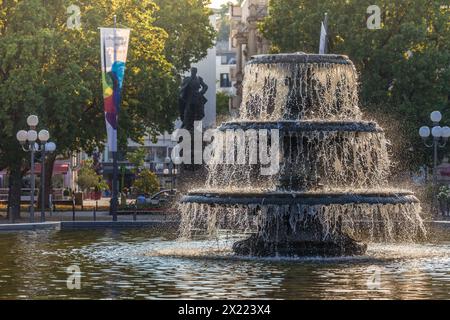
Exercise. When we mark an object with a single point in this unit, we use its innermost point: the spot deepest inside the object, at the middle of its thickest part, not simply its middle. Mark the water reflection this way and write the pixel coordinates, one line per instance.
(150, 264)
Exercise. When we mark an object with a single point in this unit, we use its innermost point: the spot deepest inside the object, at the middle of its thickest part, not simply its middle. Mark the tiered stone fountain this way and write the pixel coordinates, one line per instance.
(330, 194)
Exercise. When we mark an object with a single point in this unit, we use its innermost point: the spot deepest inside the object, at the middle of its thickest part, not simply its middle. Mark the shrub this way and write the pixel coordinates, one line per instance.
(146, 182)
(88, 179)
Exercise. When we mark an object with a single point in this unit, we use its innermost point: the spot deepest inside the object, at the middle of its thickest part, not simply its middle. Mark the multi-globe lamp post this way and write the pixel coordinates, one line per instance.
(32, 141)
(440, 136)
(170, 171)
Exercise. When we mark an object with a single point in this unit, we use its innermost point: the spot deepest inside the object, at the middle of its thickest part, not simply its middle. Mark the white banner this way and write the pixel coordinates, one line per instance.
(323, 39)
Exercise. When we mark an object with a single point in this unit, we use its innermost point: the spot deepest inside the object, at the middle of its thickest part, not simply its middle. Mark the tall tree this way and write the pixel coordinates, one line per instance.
(224, 29)
(54, 72)
(404, 66)
(190, 32)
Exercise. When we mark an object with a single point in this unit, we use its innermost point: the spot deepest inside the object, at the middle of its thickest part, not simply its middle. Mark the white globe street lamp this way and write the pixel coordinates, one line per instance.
(445, 132)
(436, 116)
(22, 136)
(440, 136)
(50, 147)
(424, 132)
(33, 121)
(436, 132)
(32, 135)
(43, 136)
(32, 141)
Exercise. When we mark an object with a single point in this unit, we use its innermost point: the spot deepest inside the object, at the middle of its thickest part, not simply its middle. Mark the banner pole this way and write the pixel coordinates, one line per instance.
(115, 46)
(325, 24)
(114, 200)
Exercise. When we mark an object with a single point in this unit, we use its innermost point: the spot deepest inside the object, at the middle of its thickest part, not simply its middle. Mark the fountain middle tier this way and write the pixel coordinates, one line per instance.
(304, 125)
(308, 155)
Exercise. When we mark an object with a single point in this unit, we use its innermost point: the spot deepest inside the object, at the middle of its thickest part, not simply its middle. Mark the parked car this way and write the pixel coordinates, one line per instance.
(160, 199)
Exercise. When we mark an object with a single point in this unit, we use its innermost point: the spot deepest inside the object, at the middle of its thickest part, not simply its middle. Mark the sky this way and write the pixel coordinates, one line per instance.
(218, 3)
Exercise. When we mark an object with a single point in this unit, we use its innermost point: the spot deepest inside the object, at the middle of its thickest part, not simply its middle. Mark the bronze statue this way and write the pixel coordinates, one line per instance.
(192, 100)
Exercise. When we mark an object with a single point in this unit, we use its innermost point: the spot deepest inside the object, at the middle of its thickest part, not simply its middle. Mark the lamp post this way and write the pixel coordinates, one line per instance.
(169, 163)
(440, 137)
(33, 142)
(45, 147)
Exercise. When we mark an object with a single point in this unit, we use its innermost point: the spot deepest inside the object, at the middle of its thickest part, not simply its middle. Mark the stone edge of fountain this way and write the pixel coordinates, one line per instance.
(283, 198)
(304, 125)
(300, 57)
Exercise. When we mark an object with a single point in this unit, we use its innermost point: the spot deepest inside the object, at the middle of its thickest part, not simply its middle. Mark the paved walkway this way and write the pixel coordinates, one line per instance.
(86, 225)
(104, 216)
(89, 216)
(87, 220)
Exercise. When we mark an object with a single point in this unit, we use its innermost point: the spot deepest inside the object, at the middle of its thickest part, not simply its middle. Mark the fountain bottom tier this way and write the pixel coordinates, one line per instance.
(304, 223)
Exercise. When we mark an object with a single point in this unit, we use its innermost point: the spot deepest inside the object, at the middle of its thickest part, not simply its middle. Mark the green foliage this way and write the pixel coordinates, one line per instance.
(444, 193)
(404, 66)
(443, 197)
(146, 182)
(89, 179)
(54, 72)
(137, 158)
(222, 103)
(189, 30)
(223, 34)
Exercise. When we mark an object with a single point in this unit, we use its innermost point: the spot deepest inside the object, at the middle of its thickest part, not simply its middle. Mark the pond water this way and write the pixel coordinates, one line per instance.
(152, 264)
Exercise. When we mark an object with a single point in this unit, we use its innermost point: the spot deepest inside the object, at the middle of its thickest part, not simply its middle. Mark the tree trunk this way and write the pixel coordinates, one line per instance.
(15, 189)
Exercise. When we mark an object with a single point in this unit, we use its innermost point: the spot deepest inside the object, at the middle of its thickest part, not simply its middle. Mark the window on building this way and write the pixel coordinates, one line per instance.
(223, 59)
(225, 80)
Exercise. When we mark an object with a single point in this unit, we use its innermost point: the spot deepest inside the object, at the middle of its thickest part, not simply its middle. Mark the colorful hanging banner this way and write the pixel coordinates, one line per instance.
(114, 57)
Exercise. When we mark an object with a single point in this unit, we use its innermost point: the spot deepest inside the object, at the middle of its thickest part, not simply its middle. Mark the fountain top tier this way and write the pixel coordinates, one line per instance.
(300, 86)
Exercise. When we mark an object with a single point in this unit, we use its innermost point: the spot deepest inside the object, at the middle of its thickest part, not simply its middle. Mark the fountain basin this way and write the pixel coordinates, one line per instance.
(305, 223)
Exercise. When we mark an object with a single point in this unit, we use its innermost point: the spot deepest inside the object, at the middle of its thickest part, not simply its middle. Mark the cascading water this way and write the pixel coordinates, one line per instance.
(329, 193)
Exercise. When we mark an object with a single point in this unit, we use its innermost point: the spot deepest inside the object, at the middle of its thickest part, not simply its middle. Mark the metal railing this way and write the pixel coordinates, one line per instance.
(58, 194)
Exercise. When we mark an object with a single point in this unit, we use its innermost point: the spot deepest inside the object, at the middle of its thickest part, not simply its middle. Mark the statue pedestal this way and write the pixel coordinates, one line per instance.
(193, 175)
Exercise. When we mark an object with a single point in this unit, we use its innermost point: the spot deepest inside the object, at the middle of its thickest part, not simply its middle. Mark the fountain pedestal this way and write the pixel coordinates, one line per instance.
(340, 246)
(308, 239)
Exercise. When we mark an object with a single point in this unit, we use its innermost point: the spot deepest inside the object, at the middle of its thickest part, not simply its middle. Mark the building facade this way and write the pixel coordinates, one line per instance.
(225, 63)
(156, 160)
(246, 40)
